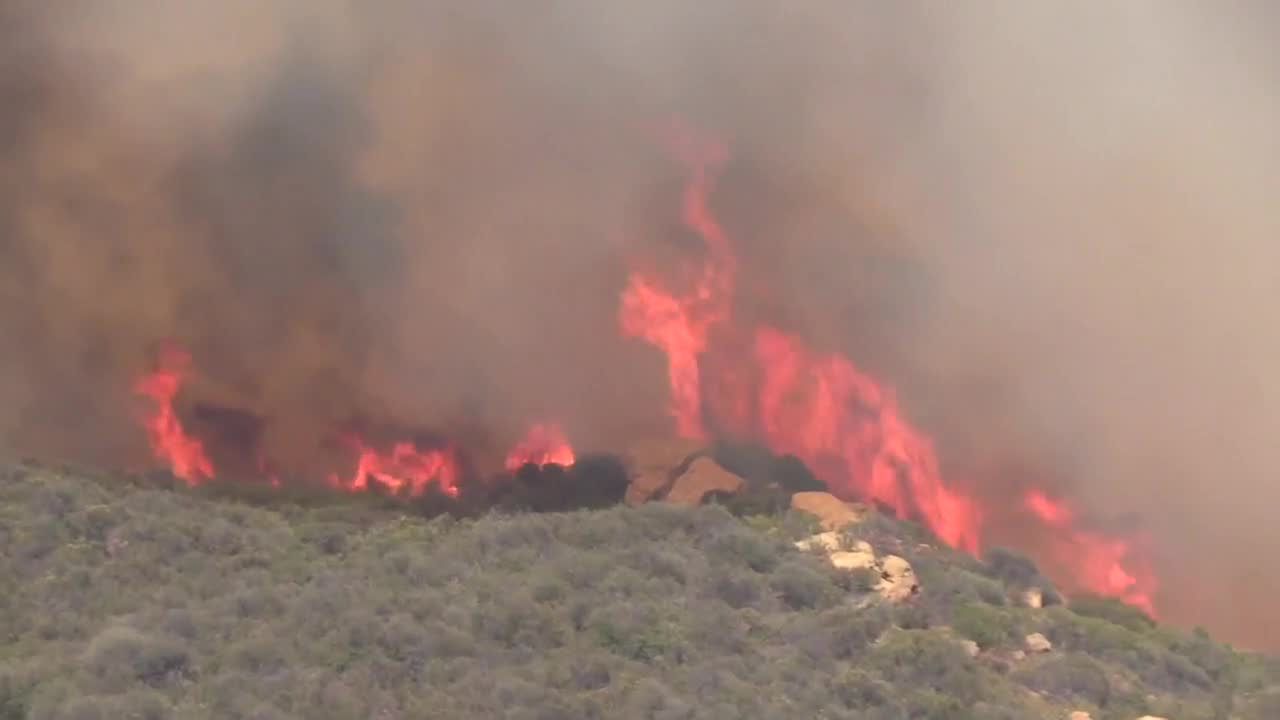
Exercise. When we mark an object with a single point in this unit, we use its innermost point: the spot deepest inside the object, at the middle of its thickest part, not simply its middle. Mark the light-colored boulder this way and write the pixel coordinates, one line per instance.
(654, 466)
(1038, 643)
(703, 476)
(854, 559)
(1151, 717)
(898, 579)
(828, 541)
(971, 648)
(832, 542)
(1079, 715)
(831, 511)
(1033, 597)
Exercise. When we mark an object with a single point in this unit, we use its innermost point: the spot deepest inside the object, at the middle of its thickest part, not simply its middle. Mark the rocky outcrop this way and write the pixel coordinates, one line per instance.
(862, 556)
(828, 541)
(858, 555)
(897, 578)
(702, 477)
(1038, 643)
(654, 467)
(831, 511)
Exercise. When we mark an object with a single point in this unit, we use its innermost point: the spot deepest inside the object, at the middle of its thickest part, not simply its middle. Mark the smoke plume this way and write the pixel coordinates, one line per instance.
(1049, 225)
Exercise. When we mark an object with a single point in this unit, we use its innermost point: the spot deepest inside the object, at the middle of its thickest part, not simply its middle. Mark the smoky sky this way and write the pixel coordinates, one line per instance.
(1049, 225)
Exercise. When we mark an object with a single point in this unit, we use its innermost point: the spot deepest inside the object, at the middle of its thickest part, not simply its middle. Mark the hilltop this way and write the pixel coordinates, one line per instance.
(124, 598)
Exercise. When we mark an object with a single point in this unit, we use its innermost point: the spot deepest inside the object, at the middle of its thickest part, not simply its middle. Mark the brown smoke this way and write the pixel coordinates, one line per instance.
(1051, 226)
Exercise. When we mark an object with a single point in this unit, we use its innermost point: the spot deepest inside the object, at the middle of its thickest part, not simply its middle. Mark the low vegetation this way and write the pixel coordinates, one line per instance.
(119, 599)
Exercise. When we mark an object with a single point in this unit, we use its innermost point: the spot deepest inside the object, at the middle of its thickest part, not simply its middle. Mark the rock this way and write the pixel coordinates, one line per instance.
(1017, 656)
(831, 542)
(828, 541)
(1038, 643)
(1079, 715)
(971, 648)
(703, 476)
(898, 579)
(831, 511)
(1033, 597)
(654, 466)
(1151, 717)
(855, 559)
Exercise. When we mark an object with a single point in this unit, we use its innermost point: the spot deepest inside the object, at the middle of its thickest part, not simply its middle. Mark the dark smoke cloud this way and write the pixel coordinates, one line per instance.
(1050, 225)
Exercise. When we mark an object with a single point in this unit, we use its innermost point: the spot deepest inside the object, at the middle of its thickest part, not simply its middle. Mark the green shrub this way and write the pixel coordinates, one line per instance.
(209, 608)
(120, 655)
(1158, 666)
(912, 616)
(15, 694)
(945, 586)
(639, 636)
(1071, 677)
(1217, 661)
(745, 548)
(860, 689)
(737, 587)
(842, 633)
(1113, 611)
(936, 706)
(987, 626)
(928, 659)
(863, 580)
(802, 587)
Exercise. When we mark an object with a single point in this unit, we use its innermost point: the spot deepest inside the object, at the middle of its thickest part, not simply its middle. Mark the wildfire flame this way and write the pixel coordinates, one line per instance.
(544, 444)
(821, 408)
(1103, 565)
(170, 443)
(406, 468)
(679, 323)
(765, 385)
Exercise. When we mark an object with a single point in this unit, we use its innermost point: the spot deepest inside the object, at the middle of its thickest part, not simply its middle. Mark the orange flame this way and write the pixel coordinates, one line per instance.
(679, 323)
(170, 443)
(1100, 564)
(407, 468)
(544, 444)
(819, 407)
(768, 385)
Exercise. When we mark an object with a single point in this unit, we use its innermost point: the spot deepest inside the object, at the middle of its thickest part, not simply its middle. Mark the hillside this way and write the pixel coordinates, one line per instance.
(123, 599)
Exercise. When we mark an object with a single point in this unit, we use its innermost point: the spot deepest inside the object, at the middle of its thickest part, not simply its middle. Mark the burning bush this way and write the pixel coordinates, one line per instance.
(764, 403)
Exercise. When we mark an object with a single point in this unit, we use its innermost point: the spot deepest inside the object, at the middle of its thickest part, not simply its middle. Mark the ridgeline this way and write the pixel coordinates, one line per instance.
(123, 598)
